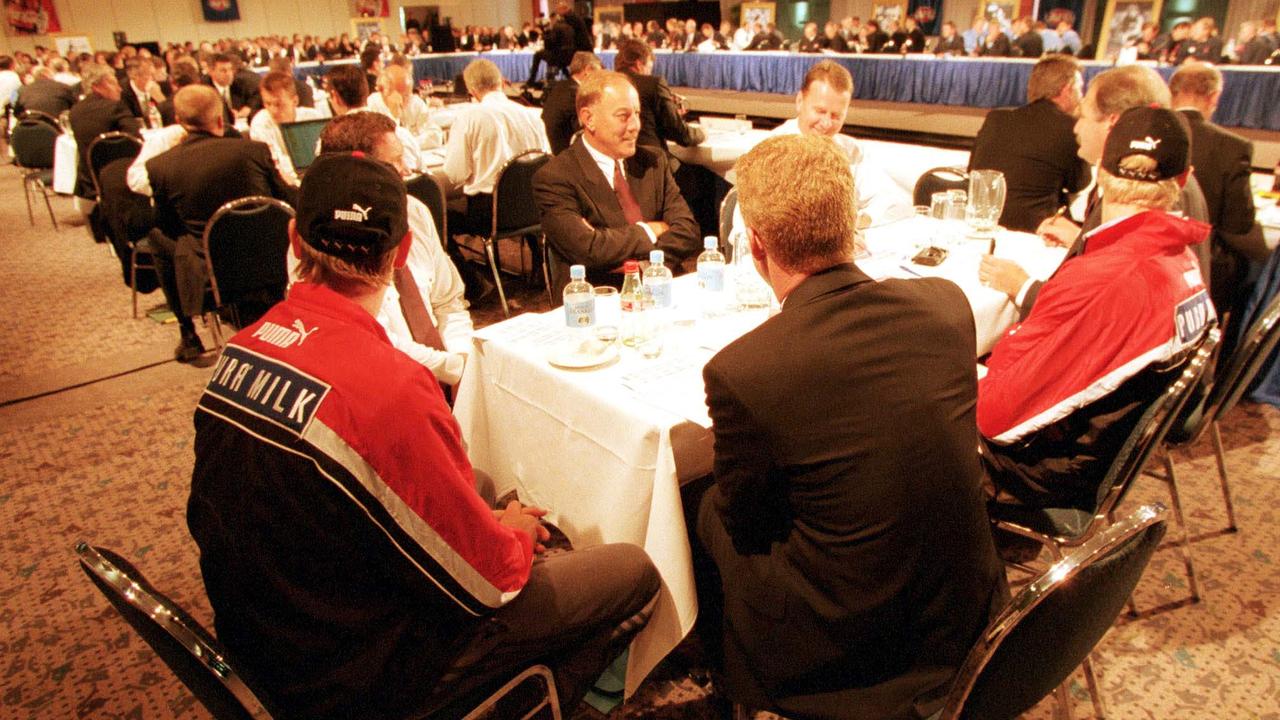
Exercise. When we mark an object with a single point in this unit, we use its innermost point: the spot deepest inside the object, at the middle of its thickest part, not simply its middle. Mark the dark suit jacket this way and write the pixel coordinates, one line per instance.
(1029, 45)
(1255, 52)
(954, 46)
(192, 180)
(559, 114)
(999, 48)
(131, 100)
(1035, 147)
(91, 117)
(861, 568)
(306, 98)
(1209, 51)
(660, 120)
(1222, 162)
(46, 96)
(835, 44)
(570, 189)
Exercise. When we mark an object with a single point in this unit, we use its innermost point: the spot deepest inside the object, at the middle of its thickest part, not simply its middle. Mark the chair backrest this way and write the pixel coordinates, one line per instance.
(727, 207)
(41, 116)
(107, 147)
(1154, 424)
(301, 140)
(428, 191)
(186, 647)
(937, 180)
(32, 142)
(246, 245)
(1256, 345)
(513, 205)
(1050, 627)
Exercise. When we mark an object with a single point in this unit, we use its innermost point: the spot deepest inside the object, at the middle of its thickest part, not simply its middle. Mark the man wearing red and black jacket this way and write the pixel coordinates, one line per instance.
(1065, 387)
(353, 569)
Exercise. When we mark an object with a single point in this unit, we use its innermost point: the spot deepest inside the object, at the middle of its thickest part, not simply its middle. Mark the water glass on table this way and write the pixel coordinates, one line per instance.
(986, 201)
(608, 313)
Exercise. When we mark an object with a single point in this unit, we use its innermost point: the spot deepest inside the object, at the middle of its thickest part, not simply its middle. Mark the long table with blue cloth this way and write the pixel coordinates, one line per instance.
(1250, 95)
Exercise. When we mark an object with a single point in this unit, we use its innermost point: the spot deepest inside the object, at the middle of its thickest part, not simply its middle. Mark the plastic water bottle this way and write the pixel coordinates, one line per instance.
(657, 283)
(579, 300)
(636, 305)
(711, 277)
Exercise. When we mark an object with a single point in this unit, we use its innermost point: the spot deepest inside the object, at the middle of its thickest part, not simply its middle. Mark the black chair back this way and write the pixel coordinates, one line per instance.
(246, 245)
(1053, 624)
(186, 647)
(428, 191)
(514, 210)
(727, 207)
(41, 116)
(937, 180)
(32, 142)
(107, 147)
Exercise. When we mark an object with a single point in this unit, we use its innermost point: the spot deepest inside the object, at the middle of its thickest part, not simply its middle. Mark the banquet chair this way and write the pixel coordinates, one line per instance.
(32, 141)
(1052, 625)
(937, 180)
(1064, 528)
(228, 693)
(1257, 344)
(246, 244)
(103, 149)
(428, 191)
(41, 116)
(727, 207)
(515, 214)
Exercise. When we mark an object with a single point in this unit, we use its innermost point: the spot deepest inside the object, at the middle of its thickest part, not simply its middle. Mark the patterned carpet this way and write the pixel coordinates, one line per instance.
(110, 462)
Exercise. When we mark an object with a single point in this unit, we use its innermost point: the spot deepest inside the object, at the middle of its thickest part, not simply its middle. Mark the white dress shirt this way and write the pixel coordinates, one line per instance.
(879, 197)
(485, 136)
(9, 84)
(415, 117)
(442, 292)
(265, 130)
(742, 39)
(154, 143)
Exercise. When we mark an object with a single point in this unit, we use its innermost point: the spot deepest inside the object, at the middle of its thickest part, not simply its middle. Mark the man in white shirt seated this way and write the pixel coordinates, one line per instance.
(395, 99)
(821, 107)
(349, 92)
(483, 138)
(423, 312)
(279, 106)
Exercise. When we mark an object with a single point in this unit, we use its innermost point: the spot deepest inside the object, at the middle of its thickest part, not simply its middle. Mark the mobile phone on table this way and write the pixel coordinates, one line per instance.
(931, 256)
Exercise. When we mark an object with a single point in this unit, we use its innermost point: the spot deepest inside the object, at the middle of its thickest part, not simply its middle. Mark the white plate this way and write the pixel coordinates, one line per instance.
(572, 357)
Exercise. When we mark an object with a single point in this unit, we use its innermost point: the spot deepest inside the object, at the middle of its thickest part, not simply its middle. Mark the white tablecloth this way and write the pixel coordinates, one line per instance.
(1268, 212)
(64, 165)
(902, 162)
(606, 450)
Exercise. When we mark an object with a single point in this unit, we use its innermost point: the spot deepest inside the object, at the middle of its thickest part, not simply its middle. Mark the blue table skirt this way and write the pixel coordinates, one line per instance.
(1250, 96)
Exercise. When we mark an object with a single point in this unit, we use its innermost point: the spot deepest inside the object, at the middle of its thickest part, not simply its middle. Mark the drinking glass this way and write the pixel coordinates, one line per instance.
(986, 201)
(956, 201)
(608, 312)
(938, 204)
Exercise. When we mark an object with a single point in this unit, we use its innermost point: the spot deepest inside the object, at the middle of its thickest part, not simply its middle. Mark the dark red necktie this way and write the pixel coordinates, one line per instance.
(630, 208)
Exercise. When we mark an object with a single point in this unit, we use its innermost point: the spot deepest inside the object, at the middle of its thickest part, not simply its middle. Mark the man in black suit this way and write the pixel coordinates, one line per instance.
(1027, 43)
(1203, 43)
(189, 183)
(98, 112)
(559, 107)
(607, 199)
(847, 518)
(1222, 162)
(141, 93)
(1252, 48)
(995, 44)
(239, 100)
(949, 42)
(1034, 145)
(44, 94)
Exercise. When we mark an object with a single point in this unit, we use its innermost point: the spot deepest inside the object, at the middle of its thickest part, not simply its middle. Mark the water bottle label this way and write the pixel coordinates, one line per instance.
(581, 313)
(661, 293)
(711, 278)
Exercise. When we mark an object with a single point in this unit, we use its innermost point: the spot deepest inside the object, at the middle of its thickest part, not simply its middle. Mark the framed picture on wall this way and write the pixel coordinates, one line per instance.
(69, 45)
(761, 12)
(883, 13)
(1001, 12)
(363, 27)
(607, 13)
(1122, 24)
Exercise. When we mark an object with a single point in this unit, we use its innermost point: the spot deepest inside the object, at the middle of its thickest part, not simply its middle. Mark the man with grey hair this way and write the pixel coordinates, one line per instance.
(189, 183)
(44, 94)
(485, 135)
(821, 499)
(100, 111)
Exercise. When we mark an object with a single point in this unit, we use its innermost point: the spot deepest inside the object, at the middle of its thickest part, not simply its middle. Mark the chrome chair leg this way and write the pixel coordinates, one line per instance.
(546, 269)
(45, 191)
(497, 276)
(1062, 706)
(1095, 688)
(1222, 476)
(1185, 544)
(26, 192)
(133, 278)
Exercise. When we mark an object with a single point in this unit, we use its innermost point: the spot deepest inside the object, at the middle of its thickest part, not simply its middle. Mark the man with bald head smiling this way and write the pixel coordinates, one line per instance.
(189, 183)
(606, 200)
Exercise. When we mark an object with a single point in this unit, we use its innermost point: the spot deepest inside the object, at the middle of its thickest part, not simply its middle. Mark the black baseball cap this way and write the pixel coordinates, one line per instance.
(1156, 133)
(352, 206)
